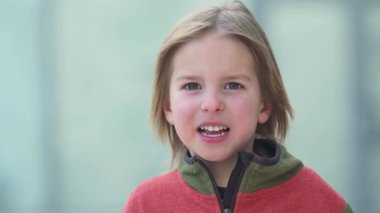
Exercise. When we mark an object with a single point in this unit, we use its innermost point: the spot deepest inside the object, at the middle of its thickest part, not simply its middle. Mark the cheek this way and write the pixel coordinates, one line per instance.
(246, 112)
(183, 108)
(184, 114)
(245, 107)
(246, 116)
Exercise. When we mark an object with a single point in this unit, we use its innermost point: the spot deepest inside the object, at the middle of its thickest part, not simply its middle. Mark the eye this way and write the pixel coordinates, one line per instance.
(192, 86)
(233, 86)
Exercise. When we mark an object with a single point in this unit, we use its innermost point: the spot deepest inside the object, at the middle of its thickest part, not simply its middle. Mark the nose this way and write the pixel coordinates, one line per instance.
(212, 102)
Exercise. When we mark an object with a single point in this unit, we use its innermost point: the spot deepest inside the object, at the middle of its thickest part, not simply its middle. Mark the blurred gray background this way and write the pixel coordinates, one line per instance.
(75, 91)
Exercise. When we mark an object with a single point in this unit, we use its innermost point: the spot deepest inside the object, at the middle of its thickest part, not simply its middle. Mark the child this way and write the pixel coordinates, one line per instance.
(220, 102)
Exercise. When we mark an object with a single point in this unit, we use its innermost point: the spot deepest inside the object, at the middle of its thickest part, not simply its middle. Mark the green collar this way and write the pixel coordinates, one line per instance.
(268, 165)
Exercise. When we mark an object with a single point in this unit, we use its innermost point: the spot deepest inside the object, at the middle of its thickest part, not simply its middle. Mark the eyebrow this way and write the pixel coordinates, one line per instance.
(238, 76)
(187, 77)
(228, 77)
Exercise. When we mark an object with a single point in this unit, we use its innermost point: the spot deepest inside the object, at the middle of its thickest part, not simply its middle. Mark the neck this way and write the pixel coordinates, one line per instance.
(221, 171)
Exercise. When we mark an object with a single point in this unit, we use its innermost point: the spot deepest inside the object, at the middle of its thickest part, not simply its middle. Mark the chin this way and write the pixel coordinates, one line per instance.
(216, 158)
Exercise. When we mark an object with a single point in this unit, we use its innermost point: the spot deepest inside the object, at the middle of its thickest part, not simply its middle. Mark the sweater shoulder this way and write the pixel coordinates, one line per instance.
(168, 193)
(150, 189)
(156, 185)
(311, 185)
(311, 179)
(305, 191)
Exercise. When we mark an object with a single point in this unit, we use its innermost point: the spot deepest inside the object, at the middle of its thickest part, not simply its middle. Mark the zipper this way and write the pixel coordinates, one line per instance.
(234, 184)
(228, 203)
(213, 184)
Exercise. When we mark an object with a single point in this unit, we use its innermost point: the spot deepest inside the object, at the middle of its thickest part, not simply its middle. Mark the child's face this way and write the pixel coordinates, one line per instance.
(215, 101)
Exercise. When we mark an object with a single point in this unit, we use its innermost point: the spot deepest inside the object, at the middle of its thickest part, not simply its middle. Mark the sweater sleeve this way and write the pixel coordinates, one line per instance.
(134, 204)
(144, 197)
(152, 195)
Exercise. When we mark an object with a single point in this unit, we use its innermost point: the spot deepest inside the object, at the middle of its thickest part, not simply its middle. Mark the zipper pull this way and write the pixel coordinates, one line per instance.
(227, 211)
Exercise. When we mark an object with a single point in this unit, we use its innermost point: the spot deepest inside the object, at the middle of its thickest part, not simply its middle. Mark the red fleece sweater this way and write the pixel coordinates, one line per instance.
(269, 184)
(305, 192)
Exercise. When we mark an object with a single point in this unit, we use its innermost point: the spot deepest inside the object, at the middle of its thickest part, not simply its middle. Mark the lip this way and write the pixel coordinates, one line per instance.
(214, 140)
(212, 123)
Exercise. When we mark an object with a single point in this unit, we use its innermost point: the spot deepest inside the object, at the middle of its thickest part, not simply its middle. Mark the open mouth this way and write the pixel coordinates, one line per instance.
(213, 131)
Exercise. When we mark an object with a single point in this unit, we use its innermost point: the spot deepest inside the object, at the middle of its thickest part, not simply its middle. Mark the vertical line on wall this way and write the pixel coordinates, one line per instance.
(364, 141)
(49, 105)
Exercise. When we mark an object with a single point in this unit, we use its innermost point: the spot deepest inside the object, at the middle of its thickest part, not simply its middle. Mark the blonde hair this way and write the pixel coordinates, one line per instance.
(233, 19)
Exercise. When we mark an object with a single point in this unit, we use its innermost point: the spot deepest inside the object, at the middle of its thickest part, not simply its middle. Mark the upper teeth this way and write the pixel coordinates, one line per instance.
(213, 128)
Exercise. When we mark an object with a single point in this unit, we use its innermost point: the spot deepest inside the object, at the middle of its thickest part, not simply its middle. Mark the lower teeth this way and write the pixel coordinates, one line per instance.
(213, 135)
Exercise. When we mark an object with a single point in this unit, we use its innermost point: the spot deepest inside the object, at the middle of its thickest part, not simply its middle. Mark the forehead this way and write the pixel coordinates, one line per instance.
(214, 52)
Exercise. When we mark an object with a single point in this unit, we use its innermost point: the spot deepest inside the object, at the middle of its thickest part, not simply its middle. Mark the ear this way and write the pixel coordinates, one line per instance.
(168, 112)
(265, 112)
